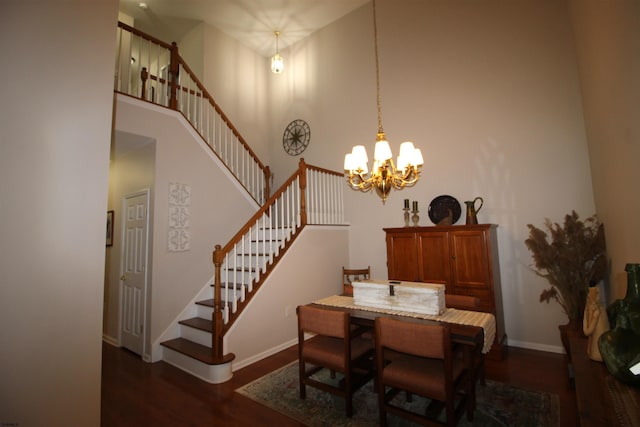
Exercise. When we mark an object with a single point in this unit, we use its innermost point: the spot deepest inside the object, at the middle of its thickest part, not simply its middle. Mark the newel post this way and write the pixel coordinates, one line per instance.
(303, 187)
(217, 336)
(144, 75)
(174, 68)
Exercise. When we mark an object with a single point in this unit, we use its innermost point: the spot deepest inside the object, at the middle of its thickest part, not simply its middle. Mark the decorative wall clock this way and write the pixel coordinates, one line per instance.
(296, 137)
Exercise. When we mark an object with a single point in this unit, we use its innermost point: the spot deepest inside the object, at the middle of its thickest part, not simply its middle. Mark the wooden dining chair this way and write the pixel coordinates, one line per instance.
(350, 275)
(468, 302)
(336, 347)
(423, 364)
(461, 302)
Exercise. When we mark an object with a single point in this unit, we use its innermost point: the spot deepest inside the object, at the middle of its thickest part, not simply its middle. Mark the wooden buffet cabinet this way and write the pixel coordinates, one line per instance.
(464, 258)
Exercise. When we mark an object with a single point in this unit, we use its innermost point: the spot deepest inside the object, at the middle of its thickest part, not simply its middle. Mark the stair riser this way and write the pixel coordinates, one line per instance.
(214, 374)
(195, 335)
(260, 247)
(237, 277)
(273, 234)
(254, 261)
(204, 312)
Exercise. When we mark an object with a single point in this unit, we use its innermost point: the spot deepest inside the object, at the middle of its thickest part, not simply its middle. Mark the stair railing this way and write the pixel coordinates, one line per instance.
(312, 195)
(152, 70)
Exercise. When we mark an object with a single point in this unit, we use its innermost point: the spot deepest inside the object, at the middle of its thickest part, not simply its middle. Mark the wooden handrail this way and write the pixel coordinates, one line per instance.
(327, 171)
(178, 65)
(143, 35)
(221, 253)
(219, 111)
(236, 238)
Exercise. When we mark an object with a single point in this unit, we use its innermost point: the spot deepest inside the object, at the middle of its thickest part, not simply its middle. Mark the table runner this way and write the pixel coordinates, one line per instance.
(486, 321)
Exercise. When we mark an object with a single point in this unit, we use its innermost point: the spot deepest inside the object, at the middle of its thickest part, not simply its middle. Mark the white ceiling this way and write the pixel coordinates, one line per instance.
(252, 22)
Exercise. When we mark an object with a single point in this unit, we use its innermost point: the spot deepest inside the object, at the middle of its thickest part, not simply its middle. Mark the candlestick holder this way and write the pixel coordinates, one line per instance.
(407, 217)
(415, 218)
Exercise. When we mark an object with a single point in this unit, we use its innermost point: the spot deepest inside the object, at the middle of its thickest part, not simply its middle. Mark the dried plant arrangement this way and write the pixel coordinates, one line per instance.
(571, 257)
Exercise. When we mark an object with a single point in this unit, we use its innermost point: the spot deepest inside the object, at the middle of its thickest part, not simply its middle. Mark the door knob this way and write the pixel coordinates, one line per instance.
(123, 277)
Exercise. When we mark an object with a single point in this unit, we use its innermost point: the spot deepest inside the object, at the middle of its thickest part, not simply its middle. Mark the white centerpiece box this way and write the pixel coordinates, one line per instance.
(416, 297)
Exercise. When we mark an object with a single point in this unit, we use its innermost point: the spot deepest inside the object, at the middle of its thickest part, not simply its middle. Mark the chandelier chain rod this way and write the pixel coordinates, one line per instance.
(385, 175)
(378, 96)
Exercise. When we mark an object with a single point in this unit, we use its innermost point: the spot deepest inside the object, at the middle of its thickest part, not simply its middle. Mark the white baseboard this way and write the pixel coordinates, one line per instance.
(536, 346)
(110, 340)
(248, 361)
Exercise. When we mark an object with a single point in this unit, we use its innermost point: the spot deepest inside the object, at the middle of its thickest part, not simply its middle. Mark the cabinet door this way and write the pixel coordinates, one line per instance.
(402, 257)
(434, 261)
(470, 260)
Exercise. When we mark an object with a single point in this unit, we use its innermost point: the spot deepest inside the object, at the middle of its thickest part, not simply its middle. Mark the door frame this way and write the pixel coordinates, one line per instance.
(145, 292)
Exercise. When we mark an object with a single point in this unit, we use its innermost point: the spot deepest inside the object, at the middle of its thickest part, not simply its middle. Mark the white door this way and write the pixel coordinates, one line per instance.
(134, 271)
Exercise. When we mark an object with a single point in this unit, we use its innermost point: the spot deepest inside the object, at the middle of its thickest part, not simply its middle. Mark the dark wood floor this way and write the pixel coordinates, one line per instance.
(135, 393)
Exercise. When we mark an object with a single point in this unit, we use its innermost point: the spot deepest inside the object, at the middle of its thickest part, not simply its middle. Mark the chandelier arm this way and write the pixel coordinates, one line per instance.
(358, 182)
(407, 180)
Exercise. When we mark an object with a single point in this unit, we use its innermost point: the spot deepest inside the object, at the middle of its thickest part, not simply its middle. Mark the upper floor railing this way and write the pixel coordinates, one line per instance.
(152, 70)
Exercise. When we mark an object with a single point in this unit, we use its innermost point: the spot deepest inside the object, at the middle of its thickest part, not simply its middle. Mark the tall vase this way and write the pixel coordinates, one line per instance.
(621, 345)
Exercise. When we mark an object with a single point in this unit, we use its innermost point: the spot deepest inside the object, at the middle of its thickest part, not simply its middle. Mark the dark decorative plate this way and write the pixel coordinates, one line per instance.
(439, 209)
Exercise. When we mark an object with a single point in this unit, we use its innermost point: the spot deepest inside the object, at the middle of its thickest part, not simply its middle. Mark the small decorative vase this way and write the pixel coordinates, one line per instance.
(621, 345)
(594, 323)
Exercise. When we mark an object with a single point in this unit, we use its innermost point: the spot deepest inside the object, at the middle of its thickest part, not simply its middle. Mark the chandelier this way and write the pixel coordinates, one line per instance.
(384, 175)
(277, 62)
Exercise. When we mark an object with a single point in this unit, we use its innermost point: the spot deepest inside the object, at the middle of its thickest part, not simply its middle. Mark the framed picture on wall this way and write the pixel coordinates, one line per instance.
(109, 228)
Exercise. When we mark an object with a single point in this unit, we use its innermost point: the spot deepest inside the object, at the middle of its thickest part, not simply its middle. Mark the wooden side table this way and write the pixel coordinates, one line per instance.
(602, 400)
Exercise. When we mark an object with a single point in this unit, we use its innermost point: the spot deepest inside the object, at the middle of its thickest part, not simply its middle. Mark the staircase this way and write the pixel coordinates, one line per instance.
(312, 195)
(196, 333)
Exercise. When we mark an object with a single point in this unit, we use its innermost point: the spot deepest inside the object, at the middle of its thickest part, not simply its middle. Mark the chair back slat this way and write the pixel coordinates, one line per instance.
(412, 338)
(462, 302)
(349, 275)
(323, 322)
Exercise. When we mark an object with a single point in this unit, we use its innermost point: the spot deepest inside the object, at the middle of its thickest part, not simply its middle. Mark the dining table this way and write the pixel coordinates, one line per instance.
(475, 330)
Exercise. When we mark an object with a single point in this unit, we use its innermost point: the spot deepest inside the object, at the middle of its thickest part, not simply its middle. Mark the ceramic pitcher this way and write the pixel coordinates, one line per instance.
(472, 211)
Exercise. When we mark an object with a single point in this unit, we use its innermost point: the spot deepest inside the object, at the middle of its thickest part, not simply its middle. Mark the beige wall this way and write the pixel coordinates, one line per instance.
(608, 45)
(54, 161)
(235, 76)
(488, 90)
(308, 272)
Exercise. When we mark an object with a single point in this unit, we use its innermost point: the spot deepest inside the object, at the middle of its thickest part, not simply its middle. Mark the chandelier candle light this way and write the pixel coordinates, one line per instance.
(277, 62)
(384, 174)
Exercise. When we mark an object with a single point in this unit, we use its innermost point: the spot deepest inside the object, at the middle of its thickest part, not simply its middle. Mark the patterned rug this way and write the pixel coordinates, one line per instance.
(498, 404)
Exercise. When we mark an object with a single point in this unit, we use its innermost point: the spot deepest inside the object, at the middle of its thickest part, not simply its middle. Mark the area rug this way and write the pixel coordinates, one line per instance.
(498, 404)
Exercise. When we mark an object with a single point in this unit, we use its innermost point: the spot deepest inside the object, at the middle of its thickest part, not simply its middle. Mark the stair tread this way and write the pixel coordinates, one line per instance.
(189, 348)
(198, 323)
(238, 286)
(206, 302)
(209, 302)
(248, 268)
